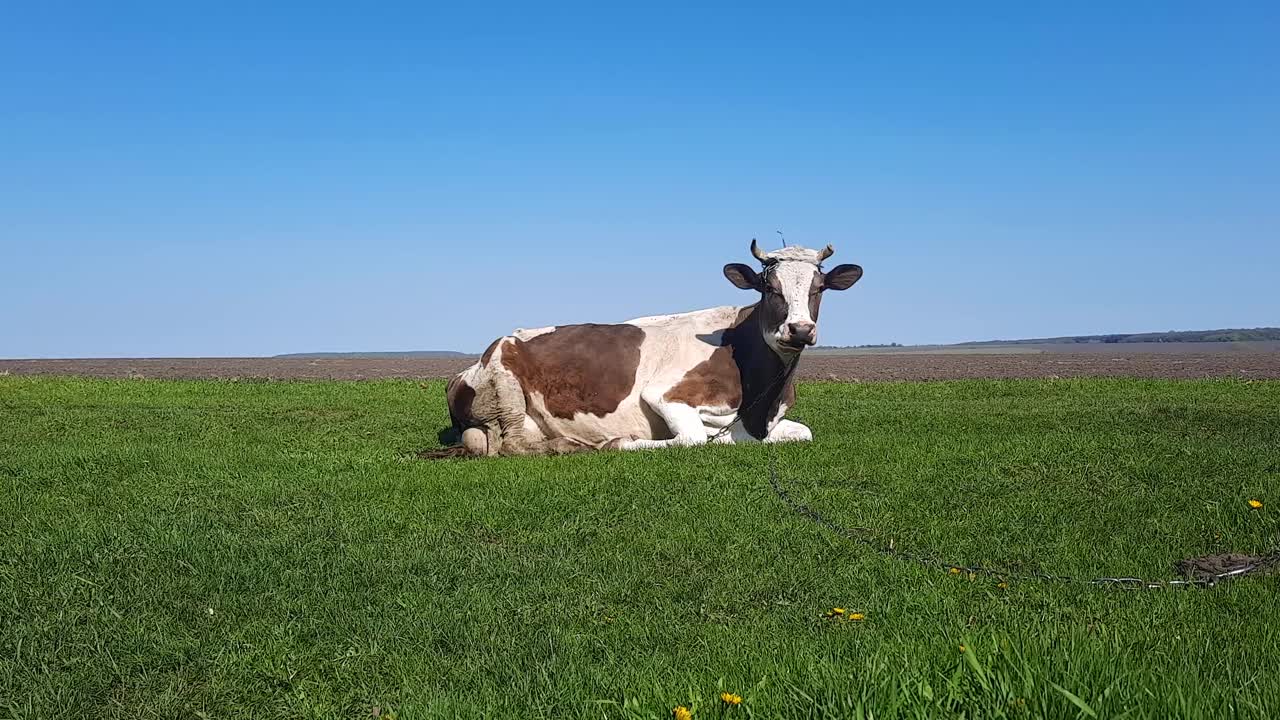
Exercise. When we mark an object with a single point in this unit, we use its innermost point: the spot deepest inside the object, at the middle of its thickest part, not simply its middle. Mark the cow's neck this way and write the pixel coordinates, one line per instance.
(766, 379)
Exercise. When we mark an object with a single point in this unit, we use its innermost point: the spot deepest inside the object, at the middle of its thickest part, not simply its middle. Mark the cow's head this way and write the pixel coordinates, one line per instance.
(791, 287)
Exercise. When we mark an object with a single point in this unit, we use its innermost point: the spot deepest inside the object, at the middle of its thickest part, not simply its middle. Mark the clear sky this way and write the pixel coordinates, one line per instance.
(259, 178)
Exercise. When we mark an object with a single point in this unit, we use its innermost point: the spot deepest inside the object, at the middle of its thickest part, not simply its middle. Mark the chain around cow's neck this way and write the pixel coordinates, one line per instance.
(778, 383)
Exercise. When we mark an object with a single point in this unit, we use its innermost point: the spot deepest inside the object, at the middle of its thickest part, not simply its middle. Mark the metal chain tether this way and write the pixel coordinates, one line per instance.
(1234, 565)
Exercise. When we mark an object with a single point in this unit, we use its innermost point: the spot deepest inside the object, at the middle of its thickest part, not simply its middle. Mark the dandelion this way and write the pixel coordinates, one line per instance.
(730, 699)
(954, 571)
(961, 648)
(838, 611)
(1255, 504)
(857, 617)
(681, 713)
(1002, 585)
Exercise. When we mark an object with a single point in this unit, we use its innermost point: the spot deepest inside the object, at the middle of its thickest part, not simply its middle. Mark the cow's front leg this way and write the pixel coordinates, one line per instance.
(683, 421)
(789, 431)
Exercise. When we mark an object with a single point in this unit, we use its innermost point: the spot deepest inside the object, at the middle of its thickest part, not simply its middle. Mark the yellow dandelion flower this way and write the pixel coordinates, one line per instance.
(1002, 585)
(681, 713)
(1255, 504)
(730, 699)
(955, 571)
(857, 617)
(838, 611)
(961, 648)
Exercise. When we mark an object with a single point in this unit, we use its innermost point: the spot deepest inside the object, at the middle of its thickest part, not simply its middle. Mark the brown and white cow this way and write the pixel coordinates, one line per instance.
(722, 374)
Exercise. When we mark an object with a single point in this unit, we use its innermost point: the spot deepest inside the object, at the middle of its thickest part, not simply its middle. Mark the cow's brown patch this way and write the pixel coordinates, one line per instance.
(577, 368)
(713, 382)
(815, 296)
(488, 352)
(460, 397)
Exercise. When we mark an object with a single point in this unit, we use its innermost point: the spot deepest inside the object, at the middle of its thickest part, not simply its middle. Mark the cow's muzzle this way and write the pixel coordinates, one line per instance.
(800, 335)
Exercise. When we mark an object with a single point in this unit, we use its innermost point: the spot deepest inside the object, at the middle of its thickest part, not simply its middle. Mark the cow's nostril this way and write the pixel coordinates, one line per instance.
(802, 332)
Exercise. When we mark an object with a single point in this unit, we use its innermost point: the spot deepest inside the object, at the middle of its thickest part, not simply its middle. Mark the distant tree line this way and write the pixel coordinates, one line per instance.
(1172, 336)
(1186, 336)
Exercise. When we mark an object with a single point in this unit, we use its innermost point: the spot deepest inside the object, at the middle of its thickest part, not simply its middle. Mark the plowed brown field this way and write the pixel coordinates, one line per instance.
(843, 368)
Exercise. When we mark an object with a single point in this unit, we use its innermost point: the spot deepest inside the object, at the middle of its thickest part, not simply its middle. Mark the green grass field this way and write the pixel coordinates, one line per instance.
(222, 549)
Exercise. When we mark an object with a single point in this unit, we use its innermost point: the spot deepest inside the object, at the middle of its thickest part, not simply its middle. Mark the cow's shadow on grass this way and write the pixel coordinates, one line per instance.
(449, 435)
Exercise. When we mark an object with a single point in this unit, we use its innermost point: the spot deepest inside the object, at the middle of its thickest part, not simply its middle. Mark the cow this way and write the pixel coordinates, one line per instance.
(721, 375)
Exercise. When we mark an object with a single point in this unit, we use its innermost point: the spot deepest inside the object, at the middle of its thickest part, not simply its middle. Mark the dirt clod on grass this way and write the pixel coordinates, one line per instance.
(1208, 567)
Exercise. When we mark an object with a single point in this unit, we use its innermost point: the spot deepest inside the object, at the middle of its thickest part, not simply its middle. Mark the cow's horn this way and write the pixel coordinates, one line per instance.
(755, 250)
(827, 252)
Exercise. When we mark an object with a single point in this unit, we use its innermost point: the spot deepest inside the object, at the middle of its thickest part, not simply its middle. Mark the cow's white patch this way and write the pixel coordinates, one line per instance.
(789, 431)
(709, 320)
(524, 335)
(796, 282)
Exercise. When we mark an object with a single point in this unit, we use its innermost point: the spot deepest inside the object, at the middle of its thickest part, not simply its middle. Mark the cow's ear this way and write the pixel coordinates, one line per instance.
(742, 276)
(841, 277)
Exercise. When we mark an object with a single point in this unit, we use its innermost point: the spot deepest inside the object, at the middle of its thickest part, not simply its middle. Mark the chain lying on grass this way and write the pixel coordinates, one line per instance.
(1197, 572)
(1204, 571)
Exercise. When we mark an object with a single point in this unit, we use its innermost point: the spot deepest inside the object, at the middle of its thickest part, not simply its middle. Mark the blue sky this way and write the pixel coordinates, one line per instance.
(259, 178)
